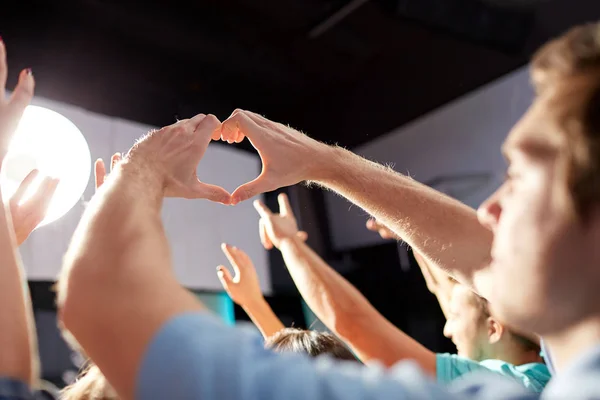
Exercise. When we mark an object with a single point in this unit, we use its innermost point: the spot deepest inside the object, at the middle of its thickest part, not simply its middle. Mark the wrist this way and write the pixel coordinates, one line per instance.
(288, 243)
(255, 304)
(142, 178)
(328, 163)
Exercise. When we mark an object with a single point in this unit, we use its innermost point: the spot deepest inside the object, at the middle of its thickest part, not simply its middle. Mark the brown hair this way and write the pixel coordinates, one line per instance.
(312, 343)
(90, 385)
(572, 62)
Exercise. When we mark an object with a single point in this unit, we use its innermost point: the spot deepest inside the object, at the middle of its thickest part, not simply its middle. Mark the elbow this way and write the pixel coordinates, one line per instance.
(66, 305)
(74, 290)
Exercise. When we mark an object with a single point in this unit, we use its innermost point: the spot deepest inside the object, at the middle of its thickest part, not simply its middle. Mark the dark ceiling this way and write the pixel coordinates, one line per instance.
(342, 71)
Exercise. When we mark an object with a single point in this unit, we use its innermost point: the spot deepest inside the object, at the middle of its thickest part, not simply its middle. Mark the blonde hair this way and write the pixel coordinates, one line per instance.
(90, 385)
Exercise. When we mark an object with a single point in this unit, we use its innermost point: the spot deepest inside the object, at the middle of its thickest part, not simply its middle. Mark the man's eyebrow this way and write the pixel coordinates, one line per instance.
(531, 148)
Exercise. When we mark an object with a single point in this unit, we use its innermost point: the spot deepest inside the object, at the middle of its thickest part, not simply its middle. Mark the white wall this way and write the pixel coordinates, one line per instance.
(195, 228)
(463, 137)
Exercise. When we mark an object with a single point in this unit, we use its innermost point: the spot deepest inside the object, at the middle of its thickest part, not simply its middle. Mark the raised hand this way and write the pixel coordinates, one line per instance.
(100, 169)
(171, 155)
(288, 156)
(273, 228)
(28, 213)
(12, 109)
(243, 288)
(384, 231)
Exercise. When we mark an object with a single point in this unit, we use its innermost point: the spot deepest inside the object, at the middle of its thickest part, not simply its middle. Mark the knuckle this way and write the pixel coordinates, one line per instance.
(179, 128)
(210, 119)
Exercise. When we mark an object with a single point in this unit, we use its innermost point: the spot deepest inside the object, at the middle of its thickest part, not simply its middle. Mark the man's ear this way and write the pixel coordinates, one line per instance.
(495, 330)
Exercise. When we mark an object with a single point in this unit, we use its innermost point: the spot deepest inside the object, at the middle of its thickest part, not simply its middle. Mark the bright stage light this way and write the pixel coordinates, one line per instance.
(49, 142)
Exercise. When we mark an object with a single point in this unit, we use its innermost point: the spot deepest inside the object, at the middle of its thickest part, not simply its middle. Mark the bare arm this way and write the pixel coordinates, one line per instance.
(263, 317)
(18, 342)
(345, 311)
(244, 290)
(338, 304)
(438, 282)
(117, 272)
(437, 226)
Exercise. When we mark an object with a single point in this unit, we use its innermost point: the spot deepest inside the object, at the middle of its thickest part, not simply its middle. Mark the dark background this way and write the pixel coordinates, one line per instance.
(343, 71)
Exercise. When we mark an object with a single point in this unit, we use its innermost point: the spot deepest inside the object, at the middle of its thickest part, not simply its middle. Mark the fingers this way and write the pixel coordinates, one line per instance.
(36, 207)
(100, 168)
(3, 70)
(25, 184)
(251, 189)
(263, 210)
(302, 236)
(214, 193)
(240, 137)
(264, 236)
(205, 126)
(20, 97)
(99, 172)
(225, 277)
(237, 126)
(234, 259)
(216, 135)
(285, 209)
(193, 122)
(114, 160)
(372, 225)
(386, 234)
(43, 196)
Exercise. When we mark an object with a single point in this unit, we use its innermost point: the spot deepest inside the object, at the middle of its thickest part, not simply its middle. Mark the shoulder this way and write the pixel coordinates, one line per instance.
(534, 376)
(197, 356)
(452, 366)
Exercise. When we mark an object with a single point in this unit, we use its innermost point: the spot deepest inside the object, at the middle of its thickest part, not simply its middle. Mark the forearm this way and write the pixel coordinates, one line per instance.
(18, 342)
(344, 310)
(438, 282)
(445, 231)
(263, 317)
(118, 288)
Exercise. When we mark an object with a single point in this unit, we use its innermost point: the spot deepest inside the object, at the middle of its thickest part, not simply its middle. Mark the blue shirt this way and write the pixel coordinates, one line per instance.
(450, 367)
(12, 389)
(196, 356)
(547, 357)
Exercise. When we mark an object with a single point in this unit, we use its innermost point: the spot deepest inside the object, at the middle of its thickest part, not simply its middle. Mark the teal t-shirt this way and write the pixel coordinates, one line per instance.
(533, 376)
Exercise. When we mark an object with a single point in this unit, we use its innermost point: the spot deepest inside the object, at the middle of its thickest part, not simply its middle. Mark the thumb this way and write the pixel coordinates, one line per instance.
(225, 277)
(20, 98)
(99, 172)
(265, 239)
(251, 189)
(372, 224)
(302, 235)
(114, 160)
(214, 193)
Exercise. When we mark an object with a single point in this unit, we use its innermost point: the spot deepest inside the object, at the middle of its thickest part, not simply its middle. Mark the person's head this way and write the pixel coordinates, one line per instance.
(546, 217)
(90, 385)
(476, 333)
(308, 342)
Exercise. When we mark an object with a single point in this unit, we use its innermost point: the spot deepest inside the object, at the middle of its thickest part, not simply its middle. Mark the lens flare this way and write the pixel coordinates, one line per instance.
(49, 142)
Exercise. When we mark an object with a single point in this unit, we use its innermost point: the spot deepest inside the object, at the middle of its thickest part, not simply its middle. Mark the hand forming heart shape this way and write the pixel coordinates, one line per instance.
(288, 156)
(173, 153)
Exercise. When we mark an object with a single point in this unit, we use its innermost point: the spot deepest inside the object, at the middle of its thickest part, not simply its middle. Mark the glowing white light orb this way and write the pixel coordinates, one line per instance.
(49, 142)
